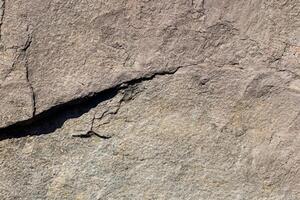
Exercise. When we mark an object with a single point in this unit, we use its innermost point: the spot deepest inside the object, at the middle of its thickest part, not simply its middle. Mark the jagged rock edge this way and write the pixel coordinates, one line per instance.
(23, 128)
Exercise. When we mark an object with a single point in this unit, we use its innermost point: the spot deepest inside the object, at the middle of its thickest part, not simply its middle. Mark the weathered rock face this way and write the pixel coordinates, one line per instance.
(128, 99)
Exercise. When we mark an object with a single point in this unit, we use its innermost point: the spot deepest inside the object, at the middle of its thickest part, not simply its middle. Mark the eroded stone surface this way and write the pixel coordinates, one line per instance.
(202, 133)
(76, 48)
(179, 99)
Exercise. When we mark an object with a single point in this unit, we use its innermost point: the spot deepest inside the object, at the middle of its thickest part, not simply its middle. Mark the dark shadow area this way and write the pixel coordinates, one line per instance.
(54, 118)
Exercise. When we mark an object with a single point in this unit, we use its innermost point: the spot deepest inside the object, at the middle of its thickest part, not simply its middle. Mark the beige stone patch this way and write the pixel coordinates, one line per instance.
(295, 85)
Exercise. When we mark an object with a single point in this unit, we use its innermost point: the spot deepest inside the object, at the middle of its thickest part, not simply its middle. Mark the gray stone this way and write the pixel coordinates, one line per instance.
(147, 99)
(72, 49)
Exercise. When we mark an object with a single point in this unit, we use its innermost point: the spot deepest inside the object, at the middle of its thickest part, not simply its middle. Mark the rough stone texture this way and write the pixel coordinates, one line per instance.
(71, 49)
(148, 99)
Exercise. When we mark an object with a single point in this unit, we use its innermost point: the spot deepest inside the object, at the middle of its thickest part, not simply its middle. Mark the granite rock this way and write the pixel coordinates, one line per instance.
(147, 99)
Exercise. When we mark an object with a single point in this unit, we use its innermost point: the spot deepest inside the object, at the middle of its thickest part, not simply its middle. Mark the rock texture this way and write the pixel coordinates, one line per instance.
(147, 99)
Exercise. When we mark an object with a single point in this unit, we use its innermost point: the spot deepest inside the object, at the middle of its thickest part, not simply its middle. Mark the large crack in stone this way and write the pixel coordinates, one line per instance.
(205, 126)
(149, 99)
(62, 112)
(65, 111)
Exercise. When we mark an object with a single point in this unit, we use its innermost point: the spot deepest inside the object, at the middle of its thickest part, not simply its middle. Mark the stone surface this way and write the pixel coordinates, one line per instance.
(201, 133)
(71, 49)
(148, 99)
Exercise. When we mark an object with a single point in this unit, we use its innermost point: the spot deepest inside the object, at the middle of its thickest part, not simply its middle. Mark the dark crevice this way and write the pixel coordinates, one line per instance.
(54, 118)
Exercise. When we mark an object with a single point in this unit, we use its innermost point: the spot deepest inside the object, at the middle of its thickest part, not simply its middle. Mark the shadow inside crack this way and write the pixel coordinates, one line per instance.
(54, 118)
